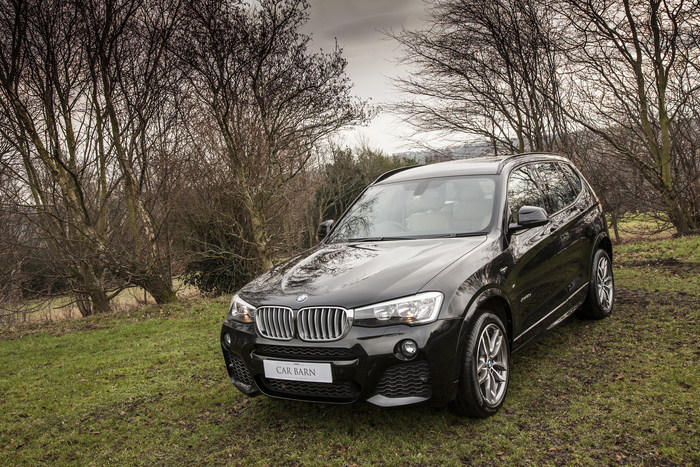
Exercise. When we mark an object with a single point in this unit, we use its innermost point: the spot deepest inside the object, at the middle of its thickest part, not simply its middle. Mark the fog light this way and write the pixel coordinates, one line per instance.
(409, 348)
(227, 340)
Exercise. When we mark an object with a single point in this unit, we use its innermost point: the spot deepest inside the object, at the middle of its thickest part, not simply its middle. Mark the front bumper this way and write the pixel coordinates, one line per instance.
(366, 364)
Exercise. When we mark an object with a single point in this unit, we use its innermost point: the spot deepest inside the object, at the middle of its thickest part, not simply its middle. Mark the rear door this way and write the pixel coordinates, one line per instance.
(567, 221)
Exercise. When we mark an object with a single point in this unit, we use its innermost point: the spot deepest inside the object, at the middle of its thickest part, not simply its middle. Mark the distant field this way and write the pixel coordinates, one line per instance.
(148, 387)
(62, 308)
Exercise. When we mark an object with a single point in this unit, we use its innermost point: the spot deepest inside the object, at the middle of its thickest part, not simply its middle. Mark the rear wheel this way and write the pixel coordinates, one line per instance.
(601, 289)
(485, 372)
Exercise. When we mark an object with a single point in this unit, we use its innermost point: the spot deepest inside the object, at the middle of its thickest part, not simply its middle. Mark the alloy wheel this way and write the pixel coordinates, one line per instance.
(492, 365)
(604, 283)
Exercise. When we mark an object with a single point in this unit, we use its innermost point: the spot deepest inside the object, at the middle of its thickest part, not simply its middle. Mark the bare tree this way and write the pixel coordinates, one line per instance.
(620, 187)
(43, 101)
(135, 89)
(84, 91)
(272, 100)
(633, 79)
(536, 75)
(686, 163)
(480, 69)
(11, 254)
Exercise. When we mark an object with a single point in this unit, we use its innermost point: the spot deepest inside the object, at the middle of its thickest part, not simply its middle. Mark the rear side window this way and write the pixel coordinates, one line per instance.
(557, 187)
(523, 191)
(572, 177)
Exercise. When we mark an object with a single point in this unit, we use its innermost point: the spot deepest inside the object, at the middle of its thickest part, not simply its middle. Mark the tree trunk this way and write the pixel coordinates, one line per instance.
(262, 244)
(160, 289)
(94, 303)
(678, 218)
(615, 225)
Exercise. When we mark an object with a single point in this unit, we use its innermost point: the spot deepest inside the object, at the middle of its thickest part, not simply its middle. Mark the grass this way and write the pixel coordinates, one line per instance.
(665, 249)
(667, 265)
(638, 227)
(149, 387)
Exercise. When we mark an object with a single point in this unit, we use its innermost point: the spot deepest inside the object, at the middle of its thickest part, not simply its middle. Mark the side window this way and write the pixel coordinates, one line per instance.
(573, 178)
(523, 191)
(557, 188)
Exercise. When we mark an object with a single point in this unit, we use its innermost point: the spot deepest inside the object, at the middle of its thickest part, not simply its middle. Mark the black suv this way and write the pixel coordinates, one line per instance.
(425, 286)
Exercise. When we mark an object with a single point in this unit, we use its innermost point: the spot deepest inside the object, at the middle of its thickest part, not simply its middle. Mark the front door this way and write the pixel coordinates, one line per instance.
(538, 263)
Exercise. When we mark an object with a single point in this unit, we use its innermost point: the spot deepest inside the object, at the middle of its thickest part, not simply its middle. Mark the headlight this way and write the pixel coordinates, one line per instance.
(240, 311)
(418, 309)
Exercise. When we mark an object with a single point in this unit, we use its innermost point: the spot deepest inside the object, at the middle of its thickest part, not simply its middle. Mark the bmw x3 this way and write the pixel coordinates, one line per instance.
(425, 287)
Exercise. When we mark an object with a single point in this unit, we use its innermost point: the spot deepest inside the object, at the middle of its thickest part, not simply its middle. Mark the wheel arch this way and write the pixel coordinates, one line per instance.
(603, 241)
(499, 306)
(494, 300)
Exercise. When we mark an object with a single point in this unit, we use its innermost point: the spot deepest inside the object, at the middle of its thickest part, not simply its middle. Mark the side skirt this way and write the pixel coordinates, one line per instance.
(518, 344)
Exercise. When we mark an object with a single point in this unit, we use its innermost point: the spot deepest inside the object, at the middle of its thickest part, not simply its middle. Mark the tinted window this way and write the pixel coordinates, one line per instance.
(523, 191)
(559, 191)
(573, 177)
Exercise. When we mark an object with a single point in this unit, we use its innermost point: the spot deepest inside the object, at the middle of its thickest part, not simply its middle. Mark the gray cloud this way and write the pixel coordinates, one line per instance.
(356, 24)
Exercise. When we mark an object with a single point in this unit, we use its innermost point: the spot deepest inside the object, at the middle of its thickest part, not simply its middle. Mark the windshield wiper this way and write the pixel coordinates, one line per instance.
(376, 239)
(415, 237)
(364, 239)
(463, 234)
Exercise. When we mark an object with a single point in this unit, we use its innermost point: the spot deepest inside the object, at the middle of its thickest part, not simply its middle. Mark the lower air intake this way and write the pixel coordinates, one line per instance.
(238, 369)
(406, 380)
(338, 392)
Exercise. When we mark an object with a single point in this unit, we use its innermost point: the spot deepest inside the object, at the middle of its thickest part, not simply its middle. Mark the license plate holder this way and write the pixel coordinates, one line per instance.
(298, 371)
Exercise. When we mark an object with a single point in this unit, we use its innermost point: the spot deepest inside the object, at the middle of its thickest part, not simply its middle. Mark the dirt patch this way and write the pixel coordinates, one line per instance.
(668, 264)
(638, 299)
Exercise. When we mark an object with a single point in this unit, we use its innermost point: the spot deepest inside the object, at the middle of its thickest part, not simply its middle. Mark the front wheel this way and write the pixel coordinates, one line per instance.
(484, 376)
(601, 289)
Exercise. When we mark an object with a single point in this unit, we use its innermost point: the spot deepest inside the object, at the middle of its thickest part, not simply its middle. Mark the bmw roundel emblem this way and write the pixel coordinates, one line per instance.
(302, 297)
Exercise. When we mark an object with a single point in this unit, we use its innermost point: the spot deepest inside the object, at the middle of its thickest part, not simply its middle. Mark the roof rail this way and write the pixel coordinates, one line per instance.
(509, 158)
(388, 174)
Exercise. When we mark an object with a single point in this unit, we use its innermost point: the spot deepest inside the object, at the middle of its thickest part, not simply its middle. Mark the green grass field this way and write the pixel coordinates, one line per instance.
(149, 387)
(639, 227)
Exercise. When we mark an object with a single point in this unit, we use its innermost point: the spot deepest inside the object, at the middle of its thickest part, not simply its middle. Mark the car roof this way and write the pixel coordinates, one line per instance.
(487, 165)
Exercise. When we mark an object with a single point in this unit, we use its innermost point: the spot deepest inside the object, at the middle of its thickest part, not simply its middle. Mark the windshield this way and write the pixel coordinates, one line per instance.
(419, 208)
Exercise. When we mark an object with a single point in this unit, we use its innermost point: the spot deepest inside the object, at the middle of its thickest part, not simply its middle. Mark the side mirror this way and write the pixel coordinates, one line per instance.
(324, 229)
(529, 217)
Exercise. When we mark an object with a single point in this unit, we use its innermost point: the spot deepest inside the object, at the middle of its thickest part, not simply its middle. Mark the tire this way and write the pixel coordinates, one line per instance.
(601, 289)
(485, 371)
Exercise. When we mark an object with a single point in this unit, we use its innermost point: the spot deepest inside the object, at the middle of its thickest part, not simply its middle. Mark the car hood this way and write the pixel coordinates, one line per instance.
(356, 274)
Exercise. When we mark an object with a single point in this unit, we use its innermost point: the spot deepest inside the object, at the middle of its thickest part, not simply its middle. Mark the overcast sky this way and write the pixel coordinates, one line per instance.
(356, 24)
